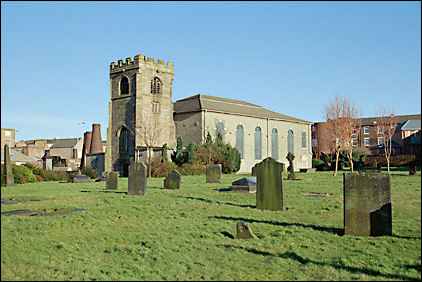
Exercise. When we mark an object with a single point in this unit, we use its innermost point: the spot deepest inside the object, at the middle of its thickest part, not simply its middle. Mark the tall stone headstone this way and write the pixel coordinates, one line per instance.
(8, 174)
(111, 180)
(269, 185)
(367, 204)
(96, 142)
(173, 180)
(137, 182)
(213, 173)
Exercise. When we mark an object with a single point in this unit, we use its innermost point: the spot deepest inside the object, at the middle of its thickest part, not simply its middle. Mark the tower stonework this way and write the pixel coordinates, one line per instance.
(141, 101)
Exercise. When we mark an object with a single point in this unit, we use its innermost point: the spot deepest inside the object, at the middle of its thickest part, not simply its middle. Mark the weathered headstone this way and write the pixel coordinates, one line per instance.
(79, 178)
(269, 185)
(137, 182)
(8, 174)
(367, 204)
(412, 170)
(111, 180)
(244, 231)
(213, 173)
(290, 157)
(173, 179)
(245, 185)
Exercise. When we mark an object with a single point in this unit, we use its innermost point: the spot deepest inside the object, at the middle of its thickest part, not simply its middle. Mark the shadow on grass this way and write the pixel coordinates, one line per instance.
(216, 202)
(336, 231)
(104, 191)
(340, 266)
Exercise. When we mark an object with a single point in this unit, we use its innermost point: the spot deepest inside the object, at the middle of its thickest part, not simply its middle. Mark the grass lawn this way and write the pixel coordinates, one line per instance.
(187, 234)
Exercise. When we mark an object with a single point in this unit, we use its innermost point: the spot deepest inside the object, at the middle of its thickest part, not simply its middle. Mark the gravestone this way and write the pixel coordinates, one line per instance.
(213, 173)
(111, 180)
(367, 204)
(269, 185)
(8, 174)
(173, 180)
(412, 170)
(79, 178)
(137, 182)
(244, 231)
(245, 185)
(290, 157)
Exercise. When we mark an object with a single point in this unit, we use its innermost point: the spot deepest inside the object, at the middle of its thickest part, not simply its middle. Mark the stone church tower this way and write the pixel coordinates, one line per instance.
(140, 110)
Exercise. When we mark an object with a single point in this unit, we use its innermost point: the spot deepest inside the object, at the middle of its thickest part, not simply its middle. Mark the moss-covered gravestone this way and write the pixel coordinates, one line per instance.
(137, 182)
(213, 173)
(243, 231)
(111, 180)
(173, 179)
(367, 204)
(269, 185)
(8, 174)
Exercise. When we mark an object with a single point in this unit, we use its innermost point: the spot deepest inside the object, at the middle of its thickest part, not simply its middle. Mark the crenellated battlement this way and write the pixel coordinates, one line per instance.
(136, 62)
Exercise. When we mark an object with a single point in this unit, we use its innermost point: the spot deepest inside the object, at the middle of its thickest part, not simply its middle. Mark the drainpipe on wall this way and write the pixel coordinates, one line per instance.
(267, 137)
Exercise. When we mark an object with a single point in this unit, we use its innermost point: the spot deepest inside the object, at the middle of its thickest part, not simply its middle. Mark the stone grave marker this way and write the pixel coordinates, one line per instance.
(244, 231)
(213, 173)
(8, 174)
(245, 185)
(111, 180)
(79, 178)
(367, 204)
(269, 185)
(290, 157)
(137, 182)
(173, 179)
(412, 170)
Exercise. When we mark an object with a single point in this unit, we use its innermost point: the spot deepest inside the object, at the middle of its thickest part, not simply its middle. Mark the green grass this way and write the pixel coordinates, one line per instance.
(187, 234)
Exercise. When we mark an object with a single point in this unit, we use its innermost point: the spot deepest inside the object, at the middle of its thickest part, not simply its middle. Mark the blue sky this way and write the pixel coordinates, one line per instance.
(289, 57)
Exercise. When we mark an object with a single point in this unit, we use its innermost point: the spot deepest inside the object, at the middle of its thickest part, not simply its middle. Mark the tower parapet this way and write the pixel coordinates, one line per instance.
(137, 61)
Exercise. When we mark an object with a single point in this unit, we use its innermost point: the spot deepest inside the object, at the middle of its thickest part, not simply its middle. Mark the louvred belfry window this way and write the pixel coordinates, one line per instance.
(155, 85)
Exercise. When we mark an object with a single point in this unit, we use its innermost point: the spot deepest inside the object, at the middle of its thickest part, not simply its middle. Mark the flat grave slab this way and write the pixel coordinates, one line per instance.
(244, 185)
(79, 178)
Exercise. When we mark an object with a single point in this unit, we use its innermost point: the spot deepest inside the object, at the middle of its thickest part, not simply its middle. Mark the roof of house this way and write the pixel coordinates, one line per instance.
(16, 156)
(218, 104)
(397, 119)
(413, 124)
(64, 143)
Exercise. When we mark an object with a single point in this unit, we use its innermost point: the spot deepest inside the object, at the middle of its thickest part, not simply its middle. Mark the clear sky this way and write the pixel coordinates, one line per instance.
(289, 57)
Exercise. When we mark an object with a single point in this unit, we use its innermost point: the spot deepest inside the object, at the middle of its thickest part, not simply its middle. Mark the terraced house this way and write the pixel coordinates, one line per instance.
(141, 109)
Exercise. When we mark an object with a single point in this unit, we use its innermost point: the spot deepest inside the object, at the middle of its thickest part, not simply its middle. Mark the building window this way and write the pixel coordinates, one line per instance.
(123, 140)
(354, 143)
(314, 142)
(380, 140)
(274, 144)
(366, 141)
(7, 133)
(155, 107)
(303, 140)
(239, 140)
(258, 143)
(155, 85)
(379, 129)
(220, 130)
(354, 132)
(290, 142)
(124, 85)
(366, 129)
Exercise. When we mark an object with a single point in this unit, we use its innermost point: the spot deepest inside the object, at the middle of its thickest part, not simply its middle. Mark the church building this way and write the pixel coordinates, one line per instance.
(141, 114)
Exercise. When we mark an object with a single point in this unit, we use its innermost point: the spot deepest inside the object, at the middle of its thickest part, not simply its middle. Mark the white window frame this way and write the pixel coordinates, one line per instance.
(364, 130)
(354, 142)
(379, 129)
(7, 133)
(367, 139)
(382, 140)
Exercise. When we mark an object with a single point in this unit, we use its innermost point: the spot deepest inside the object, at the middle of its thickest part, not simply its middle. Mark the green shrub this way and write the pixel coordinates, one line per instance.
(92, 173)
(160, 169)
(374, 163)
(23, 174)
(192, 169)
(317, 162)
(231, 163)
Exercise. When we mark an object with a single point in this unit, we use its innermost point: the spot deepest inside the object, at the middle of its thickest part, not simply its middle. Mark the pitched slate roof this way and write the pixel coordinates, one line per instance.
(224, 105)
(414, 124)
(397, 119)
(16, 156)
(394, 144)
(63, 143)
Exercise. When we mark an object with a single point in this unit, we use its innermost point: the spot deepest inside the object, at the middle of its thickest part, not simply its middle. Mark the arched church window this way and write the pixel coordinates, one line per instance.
(303, 139)
(220, 130)
(124, 85)
(155, 85)
(123, 140)
(258, 144)
(274, 144)
(290, 142)
(239, 139)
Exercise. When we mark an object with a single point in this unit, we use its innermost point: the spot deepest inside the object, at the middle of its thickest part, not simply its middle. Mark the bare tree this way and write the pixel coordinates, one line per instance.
(386, 122)
(351, 122)
(344, 123)
(151, 128)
